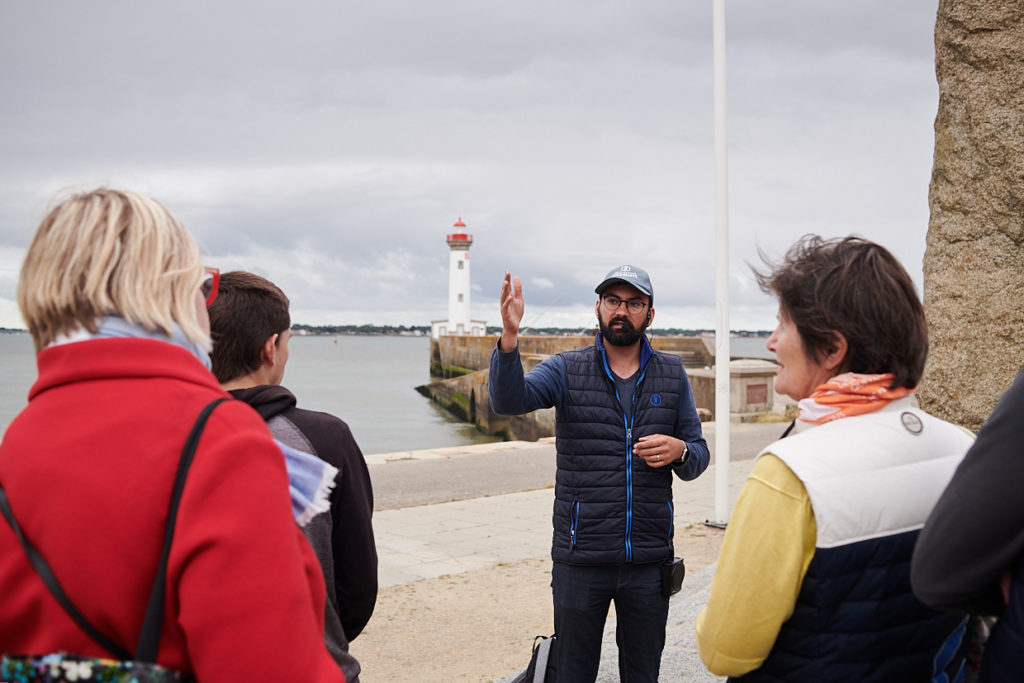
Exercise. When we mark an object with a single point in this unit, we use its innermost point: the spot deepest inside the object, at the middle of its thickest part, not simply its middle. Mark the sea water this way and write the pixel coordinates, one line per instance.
(370, 382)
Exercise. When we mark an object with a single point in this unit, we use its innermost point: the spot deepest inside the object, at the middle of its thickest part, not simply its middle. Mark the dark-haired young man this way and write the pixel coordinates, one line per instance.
(250, 326)
(625, 423)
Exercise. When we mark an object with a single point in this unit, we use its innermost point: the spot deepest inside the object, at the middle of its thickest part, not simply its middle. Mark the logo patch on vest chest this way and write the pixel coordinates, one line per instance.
(655, 399)
(912, 423)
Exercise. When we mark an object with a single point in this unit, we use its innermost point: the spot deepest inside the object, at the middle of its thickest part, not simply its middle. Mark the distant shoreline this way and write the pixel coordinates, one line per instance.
(424, 331)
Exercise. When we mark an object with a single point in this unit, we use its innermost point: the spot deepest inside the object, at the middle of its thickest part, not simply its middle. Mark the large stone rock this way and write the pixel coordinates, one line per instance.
(974, 261)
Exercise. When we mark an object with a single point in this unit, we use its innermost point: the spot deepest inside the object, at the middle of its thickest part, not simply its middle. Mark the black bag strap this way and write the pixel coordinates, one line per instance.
(149, 638)
(152, 623)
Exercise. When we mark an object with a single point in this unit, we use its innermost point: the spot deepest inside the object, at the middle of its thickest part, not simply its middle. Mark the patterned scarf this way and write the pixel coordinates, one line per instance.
(114, 326)
(847, 395)
(310, 481)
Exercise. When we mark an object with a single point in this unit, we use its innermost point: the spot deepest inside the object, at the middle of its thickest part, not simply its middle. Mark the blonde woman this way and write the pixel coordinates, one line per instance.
(110, 291)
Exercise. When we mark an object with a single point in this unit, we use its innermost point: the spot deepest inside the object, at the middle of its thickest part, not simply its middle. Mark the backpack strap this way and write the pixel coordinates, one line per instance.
(149, 638)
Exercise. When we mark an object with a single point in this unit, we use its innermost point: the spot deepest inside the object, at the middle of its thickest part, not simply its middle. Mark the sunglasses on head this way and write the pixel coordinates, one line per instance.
(211, 283)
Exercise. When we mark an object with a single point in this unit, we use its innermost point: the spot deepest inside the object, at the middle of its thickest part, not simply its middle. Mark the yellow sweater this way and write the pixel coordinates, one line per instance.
(767, 548)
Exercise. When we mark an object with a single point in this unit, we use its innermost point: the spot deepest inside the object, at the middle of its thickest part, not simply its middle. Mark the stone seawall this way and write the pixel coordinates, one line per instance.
(451, 356)
(467, 397)
(464, 391)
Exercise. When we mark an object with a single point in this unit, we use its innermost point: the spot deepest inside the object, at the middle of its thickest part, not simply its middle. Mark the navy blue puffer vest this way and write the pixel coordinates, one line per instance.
(847, 587)
(610, 507)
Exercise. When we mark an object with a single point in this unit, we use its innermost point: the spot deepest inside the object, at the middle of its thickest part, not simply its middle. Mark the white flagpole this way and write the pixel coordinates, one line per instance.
(722, 353)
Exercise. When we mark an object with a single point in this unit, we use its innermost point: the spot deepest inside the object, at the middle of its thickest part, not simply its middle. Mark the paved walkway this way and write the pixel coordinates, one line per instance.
(428, 541)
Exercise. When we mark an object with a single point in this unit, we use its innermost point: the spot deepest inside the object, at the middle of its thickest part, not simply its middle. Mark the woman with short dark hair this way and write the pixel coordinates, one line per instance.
(856, 290)
(813, 582)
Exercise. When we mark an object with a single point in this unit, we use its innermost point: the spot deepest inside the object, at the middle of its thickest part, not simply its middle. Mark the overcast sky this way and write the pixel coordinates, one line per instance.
(330, 146)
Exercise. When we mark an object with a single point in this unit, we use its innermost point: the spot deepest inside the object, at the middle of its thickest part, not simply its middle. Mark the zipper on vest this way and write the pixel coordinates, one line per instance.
(629, 490)
(671, 520)
(629, 443)
(629, 461)
(574, 520)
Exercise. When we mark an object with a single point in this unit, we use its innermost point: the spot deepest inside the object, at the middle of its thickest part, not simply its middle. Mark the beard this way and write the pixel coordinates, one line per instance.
(626, 335)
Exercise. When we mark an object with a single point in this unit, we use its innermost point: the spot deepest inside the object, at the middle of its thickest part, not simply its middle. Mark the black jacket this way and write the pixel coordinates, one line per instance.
(975, 534)
(344, 543)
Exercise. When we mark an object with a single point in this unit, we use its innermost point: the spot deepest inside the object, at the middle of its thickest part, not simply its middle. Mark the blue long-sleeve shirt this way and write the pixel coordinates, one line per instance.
(513, 393)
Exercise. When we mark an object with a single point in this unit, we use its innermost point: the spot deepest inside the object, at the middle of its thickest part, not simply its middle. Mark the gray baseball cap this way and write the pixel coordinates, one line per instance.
(631, 275)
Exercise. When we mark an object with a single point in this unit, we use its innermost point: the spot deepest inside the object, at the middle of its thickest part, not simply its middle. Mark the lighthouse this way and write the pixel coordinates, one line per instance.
(458, 278)
(458, 322)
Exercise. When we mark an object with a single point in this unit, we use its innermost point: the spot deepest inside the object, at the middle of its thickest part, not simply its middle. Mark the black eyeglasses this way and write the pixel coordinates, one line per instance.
(611, 304)
(210, 285)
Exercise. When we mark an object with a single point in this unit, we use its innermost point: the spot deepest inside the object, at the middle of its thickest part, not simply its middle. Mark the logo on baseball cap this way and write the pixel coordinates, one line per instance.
(631, 275)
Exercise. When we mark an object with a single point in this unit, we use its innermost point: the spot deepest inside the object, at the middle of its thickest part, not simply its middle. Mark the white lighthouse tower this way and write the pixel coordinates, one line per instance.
(458, 278)
(458, 322)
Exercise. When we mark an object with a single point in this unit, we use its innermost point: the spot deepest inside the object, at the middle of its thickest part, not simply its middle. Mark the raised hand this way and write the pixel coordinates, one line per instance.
(511, 311)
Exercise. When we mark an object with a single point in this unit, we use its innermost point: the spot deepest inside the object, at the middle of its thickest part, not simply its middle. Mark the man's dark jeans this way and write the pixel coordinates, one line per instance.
(581, 597)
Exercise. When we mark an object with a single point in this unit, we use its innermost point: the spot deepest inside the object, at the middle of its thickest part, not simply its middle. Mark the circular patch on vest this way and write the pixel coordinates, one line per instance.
(655, 399)
(912, 423)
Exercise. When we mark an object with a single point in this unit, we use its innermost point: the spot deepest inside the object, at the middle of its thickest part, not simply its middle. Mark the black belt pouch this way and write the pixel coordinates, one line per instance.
(672, 573)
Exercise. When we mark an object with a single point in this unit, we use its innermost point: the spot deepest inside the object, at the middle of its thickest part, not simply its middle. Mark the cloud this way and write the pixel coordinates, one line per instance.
(543, 283)
(330, 146)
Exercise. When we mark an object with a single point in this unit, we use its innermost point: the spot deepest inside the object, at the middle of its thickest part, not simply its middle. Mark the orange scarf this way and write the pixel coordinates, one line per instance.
(847, 395)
